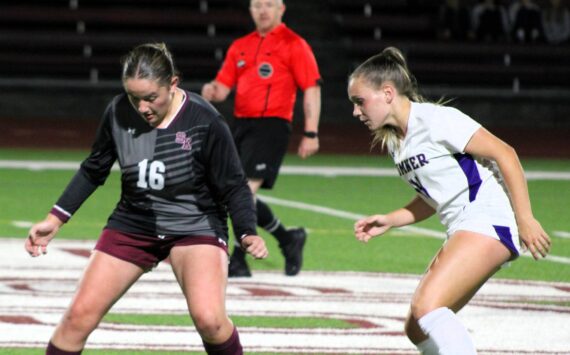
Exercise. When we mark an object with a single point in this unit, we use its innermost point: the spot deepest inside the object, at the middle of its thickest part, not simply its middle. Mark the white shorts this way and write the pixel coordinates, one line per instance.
(490, 214)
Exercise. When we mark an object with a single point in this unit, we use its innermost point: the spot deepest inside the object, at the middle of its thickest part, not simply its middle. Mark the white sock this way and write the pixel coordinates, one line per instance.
(447, 332)
(428, 347)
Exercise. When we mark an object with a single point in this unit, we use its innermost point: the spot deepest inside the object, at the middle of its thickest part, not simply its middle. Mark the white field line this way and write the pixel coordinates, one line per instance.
(561, 234)
(308, 170)
(329, 171)
(35, 291)
(355, 216)
(317, 171)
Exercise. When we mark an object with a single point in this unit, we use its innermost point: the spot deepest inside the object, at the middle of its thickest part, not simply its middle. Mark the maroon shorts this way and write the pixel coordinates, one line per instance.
(147, 251)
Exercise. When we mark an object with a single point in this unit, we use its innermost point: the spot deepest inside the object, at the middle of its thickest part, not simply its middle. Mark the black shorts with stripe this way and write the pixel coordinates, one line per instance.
(262, 145)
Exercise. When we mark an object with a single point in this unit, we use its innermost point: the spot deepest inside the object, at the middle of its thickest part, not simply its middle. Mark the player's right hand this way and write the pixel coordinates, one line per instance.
(40, 235)
(369, 227)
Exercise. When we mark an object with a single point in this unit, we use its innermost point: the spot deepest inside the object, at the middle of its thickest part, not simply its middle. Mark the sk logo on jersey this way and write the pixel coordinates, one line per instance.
(186, 142)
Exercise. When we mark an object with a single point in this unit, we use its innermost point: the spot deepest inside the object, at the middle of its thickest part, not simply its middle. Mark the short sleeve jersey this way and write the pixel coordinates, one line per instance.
(181, 180)
(266, 72)
(432, 160)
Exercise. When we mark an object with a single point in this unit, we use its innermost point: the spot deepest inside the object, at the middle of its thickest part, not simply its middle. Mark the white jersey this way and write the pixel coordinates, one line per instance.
(432, 159)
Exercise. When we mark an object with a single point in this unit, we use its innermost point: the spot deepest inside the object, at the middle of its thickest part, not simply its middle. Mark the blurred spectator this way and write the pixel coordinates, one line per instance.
(490, 21)
(454, 21)
(556, 22)
(527, 22)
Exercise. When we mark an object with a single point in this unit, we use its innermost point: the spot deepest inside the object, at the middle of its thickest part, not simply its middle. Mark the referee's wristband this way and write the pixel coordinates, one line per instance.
(310, 134)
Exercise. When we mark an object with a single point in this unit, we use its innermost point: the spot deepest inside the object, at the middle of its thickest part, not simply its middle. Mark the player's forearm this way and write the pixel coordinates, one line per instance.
(54, 220)
(515, 181)
(416, 211)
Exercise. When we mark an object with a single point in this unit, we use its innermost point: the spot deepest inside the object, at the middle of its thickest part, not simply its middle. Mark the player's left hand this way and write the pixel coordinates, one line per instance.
(255, 246)
(308, 147)
(534, 238)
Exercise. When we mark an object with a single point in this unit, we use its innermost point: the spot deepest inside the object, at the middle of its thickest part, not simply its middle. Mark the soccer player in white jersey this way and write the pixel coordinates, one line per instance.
(472, 180)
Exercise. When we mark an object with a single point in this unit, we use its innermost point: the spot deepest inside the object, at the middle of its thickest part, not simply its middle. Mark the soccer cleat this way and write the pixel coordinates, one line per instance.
(238, 266)
(293, 251)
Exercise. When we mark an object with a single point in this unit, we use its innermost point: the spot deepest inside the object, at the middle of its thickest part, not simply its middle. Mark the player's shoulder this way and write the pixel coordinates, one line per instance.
(432, 110)
(120, 107)
(201, 106)
(202, 113)
(119, 99)
(425, 110)
(439, 117)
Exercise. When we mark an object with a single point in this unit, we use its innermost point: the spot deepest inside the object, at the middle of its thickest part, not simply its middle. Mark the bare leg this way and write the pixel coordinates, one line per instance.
(457, 272)
(201, 271)
(104, 281)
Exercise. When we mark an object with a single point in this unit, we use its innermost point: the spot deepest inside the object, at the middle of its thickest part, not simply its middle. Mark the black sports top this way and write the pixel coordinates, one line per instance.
(176, 181)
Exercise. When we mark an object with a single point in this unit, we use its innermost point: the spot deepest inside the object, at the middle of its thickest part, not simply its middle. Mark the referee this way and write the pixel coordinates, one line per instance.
(266, 67)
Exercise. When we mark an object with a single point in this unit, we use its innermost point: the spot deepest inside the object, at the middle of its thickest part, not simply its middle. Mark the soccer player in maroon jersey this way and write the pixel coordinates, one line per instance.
(180, 177)
(266, 67)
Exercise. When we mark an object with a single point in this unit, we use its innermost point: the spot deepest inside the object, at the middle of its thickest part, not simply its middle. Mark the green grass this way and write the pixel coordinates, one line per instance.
(28, 196)
(331, 246)
(240, 321)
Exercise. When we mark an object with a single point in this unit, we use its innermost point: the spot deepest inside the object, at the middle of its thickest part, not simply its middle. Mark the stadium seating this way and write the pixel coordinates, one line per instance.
(84, 39)
(368, 26)
(80, 41)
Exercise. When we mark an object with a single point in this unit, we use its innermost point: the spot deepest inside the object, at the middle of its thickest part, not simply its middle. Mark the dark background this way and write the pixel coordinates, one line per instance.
(60, 65)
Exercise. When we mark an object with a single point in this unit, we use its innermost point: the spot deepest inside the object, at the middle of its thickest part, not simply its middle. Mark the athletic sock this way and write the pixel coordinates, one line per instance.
(54, 350)
(238, 251)
(447, 332)
(232, 346)
(268, 221)
(428, 347)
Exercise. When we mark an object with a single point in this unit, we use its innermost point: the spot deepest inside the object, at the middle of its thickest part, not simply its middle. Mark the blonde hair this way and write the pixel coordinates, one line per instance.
(389, 65)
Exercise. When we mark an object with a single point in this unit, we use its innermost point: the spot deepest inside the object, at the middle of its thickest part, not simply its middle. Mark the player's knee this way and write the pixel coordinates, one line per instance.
(207, 323)
(81, 318)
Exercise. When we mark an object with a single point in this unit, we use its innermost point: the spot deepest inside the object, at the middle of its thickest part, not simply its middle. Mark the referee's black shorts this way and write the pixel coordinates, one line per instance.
(262, 144)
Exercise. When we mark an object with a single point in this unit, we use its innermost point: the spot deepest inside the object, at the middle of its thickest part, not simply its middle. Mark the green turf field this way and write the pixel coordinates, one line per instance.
(30, 194)
(27, 195)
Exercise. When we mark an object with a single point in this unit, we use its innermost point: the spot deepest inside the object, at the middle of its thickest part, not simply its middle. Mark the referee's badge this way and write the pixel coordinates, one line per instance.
(265, 70)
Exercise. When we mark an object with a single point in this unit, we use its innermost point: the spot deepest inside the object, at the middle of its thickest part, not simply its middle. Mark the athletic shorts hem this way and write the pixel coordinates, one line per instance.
(147, 251)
